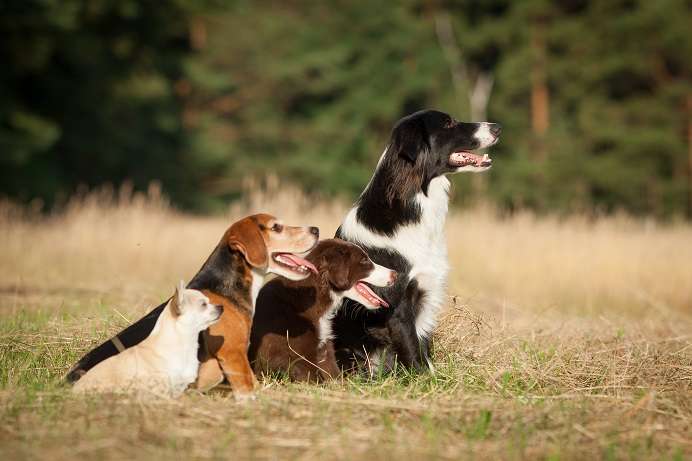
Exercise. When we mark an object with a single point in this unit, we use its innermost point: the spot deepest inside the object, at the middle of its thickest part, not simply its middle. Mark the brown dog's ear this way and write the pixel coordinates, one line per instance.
(245, 236)
(337, 273)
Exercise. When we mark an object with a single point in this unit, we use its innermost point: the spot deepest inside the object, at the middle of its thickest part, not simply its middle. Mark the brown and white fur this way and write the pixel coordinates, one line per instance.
(291, 332)
(165, 363)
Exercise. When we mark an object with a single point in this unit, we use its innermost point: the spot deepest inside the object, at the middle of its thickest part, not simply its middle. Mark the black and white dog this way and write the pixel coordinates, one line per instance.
(399, 221)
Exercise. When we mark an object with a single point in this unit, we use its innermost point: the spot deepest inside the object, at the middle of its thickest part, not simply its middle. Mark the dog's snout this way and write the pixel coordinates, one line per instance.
(495, 128)
(315, 231)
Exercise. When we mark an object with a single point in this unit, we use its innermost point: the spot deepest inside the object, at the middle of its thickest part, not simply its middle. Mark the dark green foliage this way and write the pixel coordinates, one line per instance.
(200, 95)
(88, 96)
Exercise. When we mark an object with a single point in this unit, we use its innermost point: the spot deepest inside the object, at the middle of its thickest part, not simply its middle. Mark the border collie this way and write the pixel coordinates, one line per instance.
(399, 221)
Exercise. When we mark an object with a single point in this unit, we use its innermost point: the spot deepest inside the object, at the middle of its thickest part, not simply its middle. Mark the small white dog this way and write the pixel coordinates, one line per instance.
(166, 361)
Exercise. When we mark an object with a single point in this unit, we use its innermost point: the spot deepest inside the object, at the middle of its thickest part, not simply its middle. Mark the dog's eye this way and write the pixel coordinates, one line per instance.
(277, 227)
(364, 261)
(450, 123)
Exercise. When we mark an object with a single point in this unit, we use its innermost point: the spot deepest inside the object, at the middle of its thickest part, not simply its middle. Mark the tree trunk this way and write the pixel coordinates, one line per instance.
(540, 98)
(689, 156)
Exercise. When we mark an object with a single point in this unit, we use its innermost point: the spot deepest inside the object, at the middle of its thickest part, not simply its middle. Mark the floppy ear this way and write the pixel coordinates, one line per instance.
(337, 273)
(245, 236)
(409, 139)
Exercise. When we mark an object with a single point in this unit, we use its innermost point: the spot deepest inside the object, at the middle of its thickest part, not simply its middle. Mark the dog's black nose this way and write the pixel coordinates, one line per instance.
(315, 231)
(495, 128)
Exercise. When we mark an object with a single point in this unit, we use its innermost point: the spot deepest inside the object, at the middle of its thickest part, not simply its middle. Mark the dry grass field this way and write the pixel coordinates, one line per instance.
(564, 338)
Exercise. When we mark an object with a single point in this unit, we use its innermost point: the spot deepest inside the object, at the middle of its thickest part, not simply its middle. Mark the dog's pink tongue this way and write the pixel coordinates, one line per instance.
(290, 258)
(370, 295)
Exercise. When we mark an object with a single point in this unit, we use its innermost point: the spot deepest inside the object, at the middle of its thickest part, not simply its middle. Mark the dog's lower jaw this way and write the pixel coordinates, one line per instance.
(472, 169)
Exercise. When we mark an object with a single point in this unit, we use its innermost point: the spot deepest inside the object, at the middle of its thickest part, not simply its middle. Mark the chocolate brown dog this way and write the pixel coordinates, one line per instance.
(231, 277)
(291, 330)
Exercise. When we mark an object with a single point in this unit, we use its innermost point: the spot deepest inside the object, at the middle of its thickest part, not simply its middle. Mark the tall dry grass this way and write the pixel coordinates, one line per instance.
(136, 246)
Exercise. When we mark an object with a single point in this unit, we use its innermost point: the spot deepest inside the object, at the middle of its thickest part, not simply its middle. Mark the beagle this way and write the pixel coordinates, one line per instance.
(291, 330)
(259, 245)
(165, 363)
(231, 277)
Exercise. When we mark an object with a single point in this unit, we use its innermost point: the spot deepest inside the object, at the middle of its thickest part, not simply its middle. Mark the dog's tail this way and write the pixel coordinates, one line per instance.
(130, 336)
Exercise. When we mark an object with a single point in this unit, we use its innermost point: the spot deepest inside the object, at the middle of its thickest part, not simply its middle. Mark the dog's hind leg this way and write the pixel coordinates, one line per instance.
(209, 374)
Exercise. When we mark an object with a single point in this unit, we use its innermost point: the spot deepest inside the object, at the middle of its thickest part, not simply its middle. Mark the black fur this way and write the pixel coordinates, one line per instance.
(418, 152)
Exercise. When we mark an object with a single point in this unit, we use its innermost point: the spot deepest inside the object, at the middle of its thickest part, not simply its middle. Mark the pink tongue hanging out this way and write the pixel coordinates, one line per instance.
(370, 295)
(292, 260)
(465, 158)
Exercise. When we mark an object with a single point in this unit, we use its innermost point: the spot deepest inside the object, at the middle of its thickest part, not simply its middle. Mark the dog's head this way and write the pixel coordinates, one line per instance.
(347, 269)
(437, 144)
(192, 309)
(270, 246)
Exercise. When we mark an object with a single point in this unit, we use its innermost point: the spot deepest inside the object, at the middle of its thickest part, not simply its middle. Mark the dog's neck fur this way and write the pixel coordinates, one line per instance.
(227, 273)
(171, 334)
(181, 345)
(389, 200)
(320, 310)
(387, 207)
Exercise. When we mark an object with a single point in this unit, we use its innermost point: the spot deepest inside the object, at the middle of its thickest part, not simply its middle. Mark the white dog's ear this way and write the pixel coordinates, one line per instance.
(180, 292)
(180, 288)
(178, 300)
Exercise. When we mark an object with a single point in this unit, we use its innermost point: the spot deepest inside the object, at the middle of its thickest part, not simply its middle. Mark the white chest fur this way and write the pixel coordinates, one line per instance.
(257, 284)
(325, 323)
(422, 244)
(176, 352)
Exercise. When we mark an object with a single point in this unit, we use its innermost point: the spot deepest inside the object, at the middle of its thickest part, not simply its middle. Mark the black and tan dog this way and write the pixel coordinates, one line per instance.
(291, 331)
(232, 277)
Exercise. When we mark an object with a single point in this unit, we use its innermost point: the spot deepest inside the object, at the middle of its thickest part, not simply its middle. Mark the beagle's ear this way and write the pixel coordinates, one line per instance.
(246, 237)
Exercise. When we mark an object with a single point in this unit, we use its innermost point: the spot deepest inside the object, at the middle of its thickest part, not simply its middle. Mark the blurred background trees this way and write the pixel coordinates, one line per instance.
(595, 96)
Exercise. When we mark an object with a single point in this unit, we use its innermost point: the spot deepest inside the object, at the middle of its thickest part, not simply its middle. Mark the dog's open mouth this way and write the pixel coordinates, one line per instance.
(365, 291)
(466, 158)
(294, 263)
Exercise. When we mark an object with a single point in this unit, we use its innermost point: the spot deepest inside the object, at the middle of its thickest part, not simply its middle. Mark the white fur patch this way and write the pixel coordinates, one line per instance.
(484, 136)
(325, 326)
(257, 284)
(422, 244)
